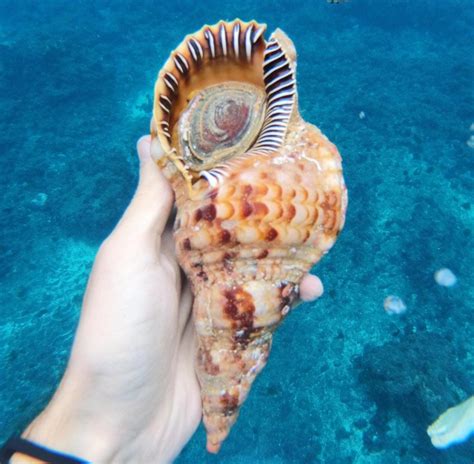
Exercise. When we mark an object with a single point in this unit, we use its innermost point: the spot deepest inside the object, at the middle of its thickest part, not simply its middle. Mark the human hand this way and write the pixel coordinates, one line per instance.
(130, 393)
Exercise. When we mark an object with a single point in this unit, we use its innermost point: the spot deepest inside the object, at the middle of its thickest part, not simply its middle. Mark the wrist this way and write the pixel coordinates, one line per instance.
(70, 425)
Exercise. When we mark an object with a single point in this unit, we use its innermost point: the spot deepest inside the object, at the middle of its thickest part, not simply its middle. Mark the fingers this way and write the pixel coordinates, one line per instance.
(311, 288)
(151, 205)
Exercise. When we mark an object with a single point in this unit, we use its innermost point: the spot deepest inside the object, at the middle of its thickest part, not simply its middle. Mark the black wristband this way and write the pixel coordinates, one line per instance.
(29, 448)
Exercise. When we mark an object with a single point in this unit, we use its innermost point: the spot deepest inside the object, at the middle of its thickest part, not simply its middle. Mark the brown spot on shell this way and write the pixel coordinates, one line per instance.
(230, 404)
(271, 234)
(224, 236)
(203, 275)
(239, 308)
(186, 244)
(262, 254)
(209, 212)
(247, 190)
(246, 209)
(206, 360)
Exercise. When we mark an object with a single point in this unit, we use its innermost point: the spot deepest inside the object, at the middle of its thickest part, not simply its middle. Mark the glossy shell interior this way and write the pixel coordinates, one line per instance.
(220, 122)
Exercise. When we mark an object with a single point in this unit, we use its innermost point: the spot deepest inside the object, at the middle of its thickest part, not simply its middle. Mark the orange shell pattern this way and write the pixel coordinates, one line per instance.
(247, 234)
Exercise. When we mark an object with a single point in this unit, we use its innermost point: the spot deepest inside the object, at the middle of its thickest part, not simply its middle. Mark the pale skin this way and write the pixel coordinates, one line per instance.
(130, 393)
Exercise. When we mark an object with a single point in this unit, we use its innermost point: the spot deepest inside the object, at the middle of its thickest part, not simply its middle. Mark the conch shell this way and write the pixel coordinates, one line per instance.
(260, 198)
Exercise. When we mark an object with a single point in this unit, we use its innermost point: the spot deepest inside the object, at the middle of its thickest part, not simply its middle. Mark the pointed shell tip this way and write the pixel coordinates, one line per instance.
(213, 447)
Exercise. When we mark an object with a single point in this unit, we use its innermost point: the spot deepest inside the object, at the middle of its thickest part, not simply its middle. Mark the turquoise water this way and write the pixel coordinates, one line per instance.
(390, 82)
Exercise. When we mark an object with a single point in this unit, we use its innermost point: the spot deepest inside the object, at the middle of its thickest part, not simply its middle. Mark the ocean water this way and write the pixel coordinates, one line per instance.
(389, 81)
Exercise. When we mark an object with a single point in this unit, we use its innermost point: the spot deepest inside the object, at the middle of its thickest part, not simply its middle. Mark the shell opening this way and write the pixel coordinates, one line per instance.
(252, 117)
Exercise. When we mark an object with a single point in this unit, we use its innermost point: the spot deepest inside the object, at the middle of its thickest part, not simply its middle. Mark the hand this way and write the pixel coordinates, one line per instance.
(130, 393)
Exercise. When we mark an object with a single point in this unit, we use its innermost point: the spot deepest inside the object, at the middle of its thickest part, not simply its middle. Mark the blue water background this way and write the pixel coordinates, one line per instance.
(345, 383)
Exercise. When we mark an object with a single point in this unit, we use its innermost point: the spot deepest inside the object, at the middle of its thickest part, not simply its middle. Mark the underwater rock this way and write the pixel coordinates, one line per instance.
(445, 277)
(394, 305)
(40, 199)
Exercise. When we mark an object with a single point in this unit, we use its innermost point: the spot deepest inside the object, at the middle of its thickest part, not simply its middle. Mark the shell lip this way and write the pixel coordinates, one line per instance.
(234, 40)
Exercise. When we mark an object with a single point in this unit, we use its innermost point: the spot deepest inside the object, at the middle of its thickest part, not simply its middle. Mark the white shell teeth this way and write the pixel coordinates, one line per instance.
(236, 39)
(171, 82)
(223, 39)
(280, 86)
(248, 43)
(211, 41)
(181, 63)
(195, 49)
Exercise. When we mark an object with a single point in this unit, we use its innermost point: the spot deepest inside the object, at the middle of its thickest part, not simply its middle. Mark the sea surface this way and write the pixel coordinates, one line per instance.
(390, 82)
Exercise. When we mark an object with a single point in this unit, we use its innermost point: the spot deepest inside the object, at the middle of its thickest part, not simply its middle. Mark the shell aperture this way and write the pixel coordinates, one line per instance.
(260, 199)
(211, 61)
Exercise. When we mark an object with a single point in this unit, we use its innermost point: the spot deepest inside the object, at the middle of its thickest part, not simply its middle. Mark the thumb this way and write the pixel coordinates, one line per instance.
(151, 205)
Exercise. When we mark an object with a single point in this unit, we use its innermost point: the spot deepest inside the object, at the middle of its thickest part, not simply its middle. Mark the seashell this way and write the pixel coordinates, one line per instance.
(260, 198)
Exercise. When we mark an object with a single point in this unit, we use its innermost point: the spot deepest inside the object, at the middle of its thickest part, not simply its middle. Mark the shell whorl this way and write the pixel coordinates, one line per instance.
(216, 55)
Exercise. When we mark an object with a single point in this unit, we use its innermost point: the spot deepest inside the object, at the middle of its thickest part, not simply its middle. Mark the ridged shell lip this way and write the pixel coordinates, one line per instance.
(234, 50)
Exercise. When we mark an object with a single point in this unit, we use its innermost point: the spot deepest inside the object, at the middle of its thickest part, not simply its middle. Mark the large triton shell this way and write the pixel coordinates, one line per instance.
(260, 198)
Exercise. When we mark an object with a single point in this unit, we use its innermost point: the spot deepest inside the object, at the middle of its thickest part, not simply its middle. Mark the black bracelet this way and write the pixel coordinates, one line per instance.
(29, 448)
